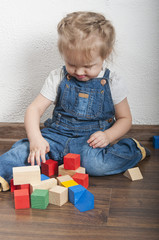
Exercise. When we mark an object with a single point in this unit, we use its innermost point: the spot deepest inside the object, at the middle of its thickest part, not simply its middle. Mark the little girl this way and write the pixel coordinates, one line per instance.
(91, 108)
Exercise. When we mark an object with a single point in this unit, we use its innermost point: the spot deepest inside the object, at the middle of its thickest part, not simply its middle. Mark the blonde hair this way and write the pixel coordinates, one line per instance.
(86, 31)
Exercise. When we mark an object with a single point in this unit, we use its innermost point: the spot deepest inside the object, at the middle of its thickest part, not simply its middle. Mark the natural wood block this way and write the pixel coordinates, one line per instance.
(58, 195)
(26, 175)
(69, 183)
(133, 174)
(82, 179)
(71, 161)
(64, 178)
(63, 171)
(45, 184)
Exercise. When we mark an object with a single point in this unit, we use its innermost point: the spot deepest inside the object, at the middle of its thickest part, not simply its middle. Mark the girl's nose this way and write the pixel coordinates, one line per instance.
(79, 71)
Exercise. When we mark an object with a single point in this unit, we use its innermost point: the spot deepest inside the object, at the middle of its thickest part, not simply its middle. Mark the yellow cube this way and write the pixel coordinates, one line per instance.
(69, 183)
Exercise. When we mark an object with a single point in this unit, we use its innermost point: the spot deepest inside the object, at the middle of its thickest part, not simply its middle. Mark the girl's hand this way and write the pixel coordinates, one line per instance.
(38, 148)
(98, 140)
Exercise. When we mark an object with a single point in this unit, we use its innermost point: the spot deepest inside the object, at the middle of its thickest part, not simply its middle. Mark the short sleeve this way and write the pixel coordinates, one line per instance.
(50, 87)
(118, 88)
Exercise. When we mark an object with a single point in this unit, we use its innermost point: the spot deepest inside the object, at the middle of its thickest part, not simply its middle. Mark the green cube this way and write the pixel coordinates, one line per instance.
(40, 199)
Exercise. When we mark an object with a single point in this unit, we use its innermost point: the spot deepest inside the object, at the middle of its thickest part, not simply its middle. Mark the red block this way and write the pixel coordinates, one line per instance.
(16, 187)
(25, 186)
(82, 179)
(21, 199)
(49, 168)
(12, 186)
(71, 161)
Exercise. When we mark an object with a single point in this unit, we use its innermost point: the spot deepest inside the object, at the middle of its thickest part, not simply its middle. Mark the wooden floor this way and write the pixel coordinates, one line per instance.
(124, 210)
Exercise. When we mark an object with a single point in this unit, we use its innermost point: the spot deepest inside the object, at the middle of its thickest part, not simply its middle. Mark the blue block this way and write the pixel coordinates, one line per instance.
(86, 202)
(44, 177)
(75, 192)
(156, 142)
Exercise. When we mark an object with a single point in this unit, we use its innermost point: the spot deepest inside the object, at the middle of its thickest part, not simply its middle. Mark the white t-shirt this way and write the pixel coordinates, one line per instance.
(117, 85)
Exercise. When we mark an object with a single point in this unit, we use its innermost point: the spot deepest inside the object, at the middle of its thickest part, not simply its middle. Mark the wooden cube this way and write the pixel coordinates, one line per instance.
(63, 171)
(21, 199)
(69, 183)
(82, 179)
(49, 168)
(71, 161)
(156, 142)
(12, 186)
(58, 195)
(75, 193)
(40, 199)
(64, 178)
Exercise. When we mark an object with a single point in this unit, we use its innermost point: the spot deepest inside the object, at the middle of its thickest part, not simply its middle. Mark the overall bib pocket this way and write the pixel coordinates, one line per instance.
(82, 102)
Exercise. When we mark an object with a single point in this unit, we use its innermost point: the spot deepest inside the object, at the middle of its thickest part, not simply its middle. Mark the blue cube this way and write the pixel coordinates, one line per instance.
(156, 142)
(75, 193)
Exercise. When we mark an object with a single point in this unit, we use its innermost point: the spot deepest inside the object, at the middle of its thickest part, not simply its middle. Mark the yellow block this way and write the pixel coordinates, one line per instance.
(69, 183)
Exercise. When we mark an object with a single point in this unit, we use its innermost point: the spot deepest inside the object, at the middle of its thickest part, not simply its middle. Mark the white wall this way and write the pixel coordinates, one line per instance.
(28, 51)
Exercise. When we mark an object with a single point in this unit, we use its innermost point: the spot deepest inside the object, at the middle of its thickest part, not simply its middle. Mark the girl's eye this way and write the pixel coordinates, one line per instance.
(89, 66)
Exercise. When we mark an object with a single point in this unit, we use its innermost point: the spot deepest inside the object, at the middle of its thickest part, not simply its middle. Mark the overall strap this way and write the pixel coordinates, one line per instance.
(106, 74)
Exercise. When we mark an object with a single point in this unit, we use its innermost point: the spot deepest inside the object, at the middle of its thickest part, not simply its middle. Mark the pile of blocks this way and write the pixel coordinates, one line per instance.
(34, 188)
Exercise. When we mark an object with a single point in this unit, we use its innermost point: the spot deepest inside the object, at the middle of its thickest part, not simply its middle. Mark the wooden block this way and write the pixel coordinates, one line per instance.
(64, 178)
(16, 187)
(44, 177)
(58, 195)
(45, 184)
(82, 179)
(21, 199)
(85, 202)
(24, 186)
(63, 171)
(40, 199)
(49, 168)
(69, 183)
(75, 192)
(133, 174)
(156, 142)
(26, 175)
(12, 186)
(71, 161)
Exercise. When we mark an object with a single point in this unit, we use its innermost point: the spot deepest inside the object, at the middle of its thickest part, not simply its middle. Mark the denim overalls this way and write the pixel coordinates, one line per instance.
(82, 108)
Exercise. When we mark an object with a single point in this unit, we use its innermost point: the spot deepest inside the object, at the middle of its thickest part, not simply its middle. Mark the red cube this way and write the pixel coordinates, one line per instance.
(21, 199)
(49, 168)
(82, 179)
(25, 186)
(72, 161)
(12, 186)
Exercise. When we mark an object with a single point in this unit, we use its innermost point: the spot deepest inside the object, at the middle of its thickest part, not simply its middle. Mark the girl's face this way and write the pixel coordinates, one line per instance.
(81, 68)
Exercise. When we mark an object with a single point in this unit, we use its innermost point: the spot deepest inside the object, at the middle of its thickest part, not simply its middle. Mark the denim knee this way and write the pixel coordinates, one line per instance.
(90, 160)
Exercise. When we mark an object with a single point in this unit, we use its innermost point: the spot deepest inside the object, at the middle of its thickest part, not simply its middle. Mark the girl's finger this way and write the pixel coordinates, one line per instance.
(37, 157)
(43, 156)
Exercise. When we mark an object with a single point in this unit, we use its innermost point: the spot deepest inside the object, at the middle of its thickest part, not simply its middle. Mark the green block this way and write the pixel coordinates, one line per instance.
(40, 199)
